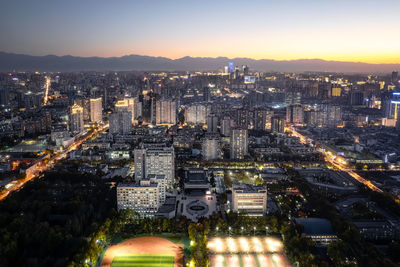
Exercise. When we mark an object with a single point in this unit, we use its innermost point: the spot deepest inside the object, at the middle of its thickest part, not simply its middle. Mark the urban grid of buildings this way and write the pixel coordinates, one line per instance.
(192, 144)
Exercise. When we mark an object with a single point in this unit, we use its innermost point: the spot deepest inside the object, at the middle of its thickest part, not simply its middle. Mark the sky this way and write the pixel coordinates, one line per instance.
(342, 30)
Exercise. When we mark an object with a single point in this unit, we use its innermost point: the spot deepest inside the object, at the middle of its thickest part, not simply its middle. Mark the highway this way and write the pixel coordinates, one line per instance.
(353, 174)
(42, 165)
(340, 166)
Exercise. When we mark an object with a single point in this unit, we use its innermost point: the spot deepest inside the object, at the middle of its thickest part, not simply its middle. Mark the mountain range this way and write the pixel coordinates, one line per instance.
(21, 62)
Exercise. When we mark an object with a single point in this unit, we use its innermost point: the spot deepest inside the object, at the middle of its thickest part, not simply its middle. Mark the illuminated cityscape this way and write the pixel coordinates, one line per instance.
(196, 134)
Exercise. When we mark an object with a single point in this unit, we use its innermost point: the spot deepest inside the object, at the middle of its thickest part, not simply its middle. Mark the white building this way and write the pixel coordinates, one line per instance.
(197, 113)
(165, 112)
(76, 119)
(155, 161)
(249, 199)
(239, 143)
(142, 197)
(96, 110)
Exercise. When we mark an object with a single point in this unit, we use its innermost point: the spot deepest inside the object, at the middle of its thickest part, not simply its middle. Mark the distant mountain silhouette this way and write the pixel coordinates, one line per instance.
(20, 62)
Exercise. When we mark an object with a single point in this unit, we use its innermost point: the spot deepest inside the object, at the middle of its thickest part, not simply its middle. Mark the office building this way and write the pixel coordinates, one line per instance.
(249, 199)
(142, 196)
(96, 110)
(239, 143)
(155, 161)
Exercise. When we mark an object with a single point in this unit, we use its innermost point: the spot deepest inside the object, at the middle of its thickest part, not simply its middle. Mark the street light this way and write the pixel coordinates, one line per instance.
(254, 230)
(229, 228)
(242, 228)
(266, 230)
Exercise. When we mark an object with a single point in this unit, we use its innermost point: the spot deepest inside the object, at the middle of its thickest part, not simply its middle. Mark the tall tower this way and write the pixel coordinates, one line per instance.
(96, 110)
(76, 119)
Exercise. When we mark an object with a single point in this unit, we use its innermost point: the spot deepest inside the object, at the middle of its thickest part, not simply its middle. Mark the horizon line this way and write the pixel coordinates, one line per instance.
(203, 57)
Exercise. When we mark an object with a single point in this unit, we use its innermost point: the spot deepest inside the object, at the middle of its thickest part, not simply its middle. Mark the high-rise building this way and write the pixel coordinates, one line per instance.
(333, 114)
(127, 104)
(96, 110)
(210, 147)
(226, 126)
(165, 112)
(336, 91)
(239, 143)
(236, 74)
(4, 97)
(85, 104)
(206, 94)
(295, 114)
(260, 118)
(226, 70)
(277, 124)
(76, 119)
(245, 70)
(212, 123)
(155, 161)
(138, 107)
(230, 67)
(293, 98)
(196, 114)
(121, 122)
(395, 77)
(243, 118)
(356, 98)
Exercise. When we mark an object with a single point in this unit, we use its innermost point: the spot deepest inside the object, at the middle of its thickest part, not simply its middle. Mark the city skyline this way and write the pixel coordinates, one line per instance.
(289, 30)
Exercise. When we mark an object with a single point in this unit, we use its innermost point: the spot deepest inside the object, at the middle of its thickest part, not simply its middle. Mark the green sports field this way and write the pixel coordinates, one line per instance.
(145, 260)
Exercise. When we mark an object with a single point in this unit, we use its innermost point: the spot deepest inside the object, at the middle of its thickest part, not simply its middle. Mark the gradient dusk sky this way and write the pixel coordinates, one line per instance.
(344, 30)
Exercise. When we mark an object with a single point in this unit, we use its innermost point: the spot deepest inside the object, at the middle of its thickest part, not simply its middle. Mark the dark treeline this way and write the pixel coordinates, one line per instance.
(51, 219)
